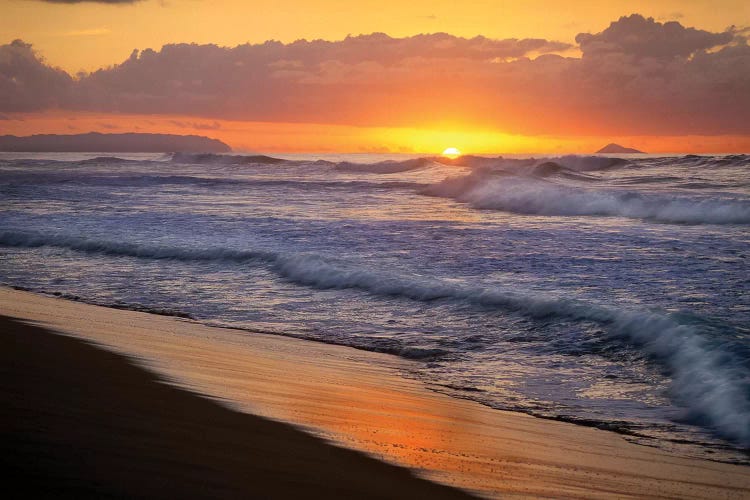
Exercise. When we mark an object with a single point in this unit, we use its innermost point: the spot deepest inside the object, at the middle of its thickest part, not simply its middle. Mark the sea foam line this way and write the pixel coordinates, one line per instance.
(534, 196)
(705, 379)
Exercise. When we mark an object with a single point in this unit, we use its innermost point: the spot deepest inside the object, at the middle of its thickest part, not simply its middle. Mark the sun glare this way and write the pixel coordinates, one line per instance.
(451, 152)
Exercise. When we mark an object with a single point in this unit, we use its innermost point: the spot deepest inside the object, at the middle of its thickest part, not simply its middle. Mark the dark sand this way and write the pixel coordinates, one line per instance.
(77, 421)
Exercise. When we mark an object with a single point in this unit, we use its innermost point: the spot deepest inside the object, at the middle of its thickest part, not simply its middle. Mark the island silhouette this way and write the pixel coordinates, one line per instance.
(616, 148)
(113, 143)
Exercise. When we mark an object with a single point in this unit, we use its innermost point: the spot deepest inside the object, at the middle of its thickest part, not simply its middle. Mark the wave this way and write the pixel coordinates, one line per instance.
(591, 163)
(578, 163)
(145, 180)
(739, 160)
(575, 163)
(385, 167)
(553, 169)
(529, 196)
(584, 163)
(107, 160)
(219, 159)
(382, 167)
(124, 249)
(706, 378)
(707, 161)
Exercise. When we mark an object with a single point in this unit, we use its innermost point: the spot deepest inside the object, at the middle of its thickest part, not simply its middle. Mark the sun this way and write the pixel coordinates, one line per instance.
(451, 152)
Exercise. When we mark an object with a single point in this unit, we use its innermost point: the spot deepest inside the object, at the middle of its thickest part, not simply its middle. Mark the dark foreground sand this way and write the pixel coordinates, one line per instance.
(78, 421)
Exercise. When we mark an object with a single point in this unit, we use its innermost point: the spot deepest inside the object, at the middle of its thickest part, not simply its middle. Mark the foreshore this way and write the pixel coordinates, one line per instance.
(260, 390)
(81, 422)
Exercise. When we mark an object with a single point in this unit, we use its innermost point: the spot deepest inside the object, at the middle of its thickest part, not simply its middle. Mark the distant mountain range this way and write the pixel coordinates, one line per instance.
(112, 143)
(616, 148)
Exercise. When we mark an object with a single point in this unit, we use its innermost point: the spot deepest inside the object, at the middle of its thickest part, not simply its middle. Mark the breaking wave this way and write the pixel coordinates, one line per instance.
(707, 379)
(532, 195)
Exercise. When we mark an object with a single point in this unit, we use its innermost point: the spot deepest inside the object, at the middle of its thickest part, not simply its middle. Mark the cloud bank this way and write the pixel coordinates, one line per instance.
(638, 76)
(27, 83)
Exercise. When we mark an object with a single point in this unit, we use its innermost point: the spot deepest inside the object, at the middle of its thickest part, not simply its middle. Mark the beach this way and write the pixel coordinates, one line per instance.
(570, 288)
(79, 422)
(222, 383)
(289, 249)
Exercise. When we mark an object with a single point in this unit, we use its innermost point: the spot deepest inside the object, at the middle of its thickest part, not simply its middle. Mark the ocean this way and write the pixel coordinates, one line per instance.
(609, 292)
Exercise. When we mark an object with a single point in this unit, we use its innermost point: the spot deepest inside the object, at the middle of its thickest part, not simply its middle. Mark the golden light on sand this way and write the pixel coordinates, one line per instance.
(451, 152)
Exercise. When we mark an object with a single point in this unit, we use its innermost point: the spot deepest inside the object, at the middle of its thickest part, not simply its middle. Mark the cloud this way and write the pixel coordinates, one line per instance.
(637, 76)
(300, 81)
(641, 37)
(665, 78)
(27, 83)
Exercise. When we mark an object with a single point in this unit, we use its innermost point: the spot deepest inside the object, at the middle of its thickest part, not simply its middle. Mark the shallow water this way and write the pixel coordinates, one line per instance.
(604, 291)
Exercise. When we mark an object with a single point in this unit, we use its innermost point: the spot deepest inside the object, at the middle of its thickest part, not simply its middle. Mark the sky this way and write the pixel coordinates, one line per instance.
(419, 76)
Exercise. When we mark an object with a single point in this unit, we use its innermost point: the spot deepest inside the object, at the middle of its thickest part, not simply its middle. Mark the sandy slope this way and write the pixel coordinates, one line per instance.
(358, 399)
(77, 421)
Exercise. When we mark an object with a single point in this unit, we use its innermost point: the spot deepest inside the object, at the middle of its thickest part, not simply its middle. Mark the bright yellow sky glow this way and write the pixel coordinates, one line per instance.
(247, 136)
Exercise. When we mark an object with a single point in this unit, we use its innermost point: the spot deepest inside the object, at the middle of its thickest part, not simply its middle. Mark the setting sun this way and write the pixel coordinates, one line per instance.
(258, 201)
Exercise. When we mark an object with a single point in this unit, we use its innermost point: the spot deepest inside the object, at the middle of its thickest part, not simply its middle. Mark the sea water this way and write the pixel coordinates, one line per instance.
(604, 291)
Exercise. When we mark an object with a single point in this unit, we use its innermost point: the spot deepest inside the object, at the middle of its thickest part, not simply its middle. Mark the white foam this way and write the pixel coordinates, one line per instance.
(531, 196)
(706, 380)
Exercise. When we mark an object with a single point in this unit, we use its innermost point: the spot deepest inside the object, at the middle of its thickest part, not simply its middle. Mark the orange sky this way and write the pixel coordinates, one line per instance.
(423, 114)
(87, 36)
(275, 137)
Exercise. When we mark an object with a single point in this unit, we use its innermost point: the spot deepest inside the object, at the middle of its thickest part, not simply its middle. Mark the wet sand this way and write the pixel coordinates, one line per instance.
(77, 421)
(353, 398)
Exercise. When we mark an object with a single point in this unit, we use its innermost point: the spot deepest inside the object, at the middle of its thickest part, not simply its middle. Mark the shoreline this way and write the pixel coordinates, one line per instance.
(80, 422)
(358, 399)
(682, 448)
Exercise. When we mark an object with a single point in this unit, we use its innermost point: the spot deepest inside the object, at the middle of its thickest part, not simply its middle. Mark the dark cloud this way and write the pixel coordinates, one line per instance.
(26, 82)
(289, 81)
(637, 76)
(641, 37)
(663, 78)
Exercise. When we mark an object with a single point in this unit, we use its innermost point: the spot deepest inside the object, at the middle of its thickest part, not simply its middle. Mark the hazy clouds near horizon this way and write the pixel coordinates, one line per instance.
(638, 76)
